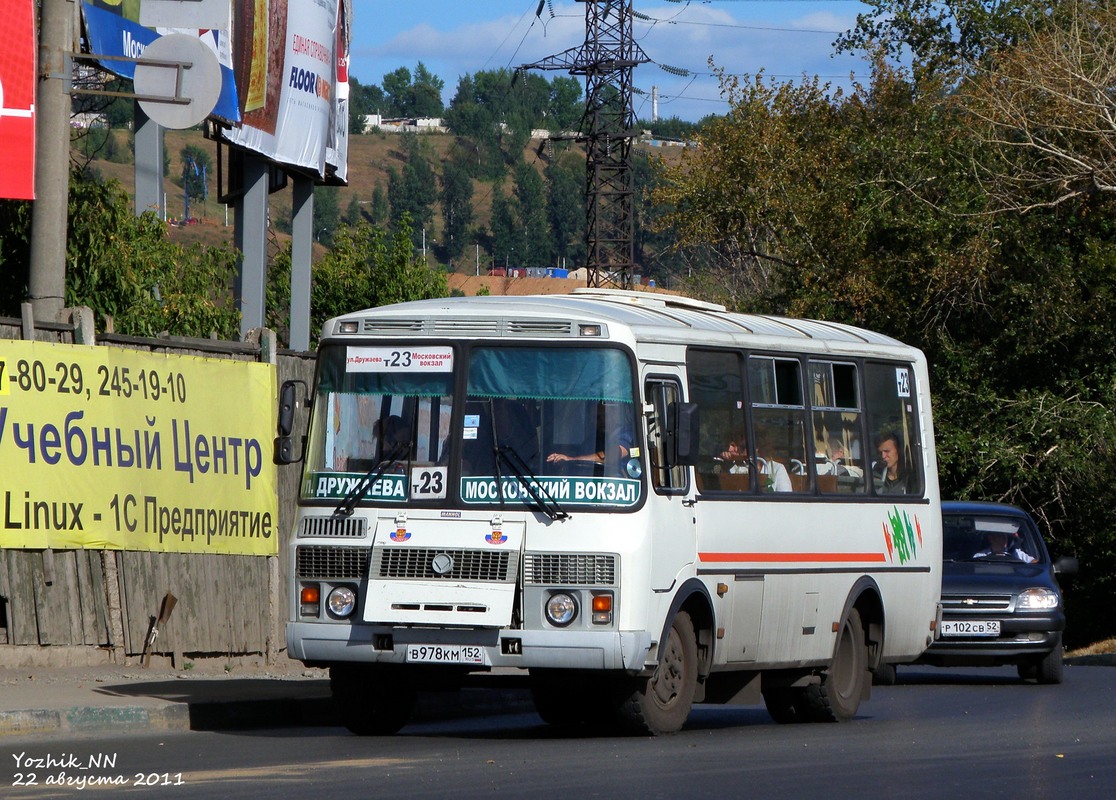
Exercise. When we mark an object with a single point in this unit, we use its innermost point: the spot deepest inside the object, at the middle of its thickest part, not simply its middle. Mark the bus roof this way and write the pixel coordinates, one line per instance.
(651, 317)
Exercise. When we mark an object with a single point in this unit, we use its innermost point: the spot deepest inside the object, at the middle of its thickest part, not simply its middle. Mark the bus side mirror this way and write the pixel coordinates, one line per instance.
(682, 434)
(288, 402)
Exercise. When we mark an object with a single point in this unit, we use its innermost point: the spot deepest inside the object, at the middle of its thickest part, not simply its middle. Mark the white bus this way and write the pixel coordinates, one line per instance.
(636, 501)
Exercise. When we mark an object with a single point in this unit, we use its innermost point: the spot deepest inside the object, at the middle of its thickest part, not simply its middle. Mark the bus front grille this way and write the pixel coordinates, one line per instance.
(417, 563)
(570, 569)
(331, 563)
(337, 527)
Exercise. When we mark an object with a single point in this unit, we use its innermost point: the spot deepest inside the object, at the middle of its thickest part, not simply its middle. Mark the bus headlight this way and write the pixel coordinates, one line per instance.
(561, 609)
(341, 601)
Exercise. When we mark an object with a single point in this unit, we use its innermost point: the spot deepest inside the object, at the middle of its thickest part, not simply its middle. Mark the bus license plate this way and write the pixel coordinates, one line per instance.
(971, 627)
(445, 654)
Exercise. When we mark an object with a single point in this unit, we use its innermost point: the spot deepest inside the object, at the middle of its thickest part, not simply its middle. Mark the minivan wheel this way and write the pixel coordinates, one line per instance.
(1050, 669)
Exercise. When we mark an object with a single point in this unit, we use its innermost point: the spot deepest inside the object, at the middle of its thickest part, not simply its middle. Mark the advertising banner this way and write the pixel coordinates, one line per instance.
(17, 102)
(107, 448)
(295, 105)
(113, 30)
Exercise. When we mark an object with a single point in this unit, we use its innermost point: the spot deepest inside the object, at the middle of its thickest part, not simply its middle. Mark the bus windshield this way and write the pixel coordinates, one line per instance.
(559, 422)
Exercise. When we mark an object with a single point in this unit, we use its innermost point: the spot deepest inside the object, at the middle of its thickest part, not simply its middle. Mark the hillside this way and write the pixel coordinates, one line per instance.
(370, 157)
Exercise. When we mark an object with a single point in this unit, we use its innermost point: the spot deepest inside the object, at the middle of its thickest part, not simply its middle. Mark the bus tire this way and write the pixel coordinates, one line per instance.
(837, 697)
(786, 704)
(662, 702)
(371, 702)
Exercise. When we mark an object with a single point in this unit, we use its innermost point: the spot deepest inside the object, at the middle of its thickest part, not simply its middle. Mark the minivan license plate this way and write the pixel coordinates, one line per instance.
(445, 654)
(970, 627)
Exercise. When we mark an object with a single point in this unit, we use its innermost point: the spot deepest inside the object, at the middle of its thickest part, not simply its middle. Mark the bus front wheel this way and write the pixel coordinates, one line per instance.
(371, 702)
(661, 703)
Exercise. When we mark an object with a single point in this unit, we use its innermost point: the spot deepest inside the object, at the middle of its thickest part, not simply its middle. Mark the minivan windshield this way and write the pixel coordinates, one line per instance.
(990, 537)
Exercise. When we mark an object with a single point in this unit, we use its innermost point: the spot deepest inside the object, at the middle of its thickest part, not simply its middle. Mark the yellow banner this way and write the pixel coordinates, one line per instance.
(107, 448)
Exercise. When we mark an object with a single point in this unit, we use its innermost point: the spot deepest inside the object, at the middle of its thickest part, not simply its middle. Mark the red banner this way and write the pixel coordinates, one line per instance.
(17, 101)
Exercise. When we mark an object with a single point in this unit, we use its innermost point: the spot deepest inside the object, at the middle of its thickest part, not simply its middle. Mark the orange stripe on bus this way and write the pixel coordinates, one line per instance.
(791, 557)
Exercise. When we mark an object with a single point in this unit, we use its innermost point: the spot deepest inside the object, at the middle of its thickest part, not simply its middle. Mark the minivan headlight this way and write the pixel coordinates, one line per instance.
(1037, 599)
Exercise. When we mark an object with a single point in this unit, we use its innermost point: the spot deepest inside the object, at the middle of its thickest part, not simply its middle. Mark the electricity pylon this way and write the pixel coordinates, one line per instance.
(607, 130)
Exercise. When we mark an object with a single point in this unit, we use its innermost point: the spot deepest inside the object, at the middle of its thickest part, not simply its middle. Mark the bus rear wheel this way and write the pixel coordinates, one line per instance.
(662, 702)
(372, 701)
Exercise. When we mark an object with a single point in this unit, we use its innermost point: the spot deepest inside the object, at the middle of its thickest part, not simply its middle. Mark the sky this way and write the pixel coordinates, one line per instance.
(785, 38)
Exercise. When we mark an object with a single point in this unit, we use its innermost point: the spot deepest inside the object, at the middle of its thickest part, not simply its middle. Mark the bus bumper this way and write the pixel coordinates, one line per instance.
(324, 643)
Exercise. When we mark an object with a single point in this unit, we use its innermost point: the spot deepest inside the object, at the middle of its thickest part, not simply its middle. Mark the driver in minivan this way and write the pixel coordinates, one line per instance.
(1001, 545)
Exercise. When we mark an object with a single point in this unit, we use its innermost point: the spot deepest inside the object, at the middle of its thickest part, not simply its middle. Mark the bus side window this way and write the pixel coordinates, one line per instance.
(717, 387)
(661, 393)
(779, 420)
(837, 420)
(893, 424)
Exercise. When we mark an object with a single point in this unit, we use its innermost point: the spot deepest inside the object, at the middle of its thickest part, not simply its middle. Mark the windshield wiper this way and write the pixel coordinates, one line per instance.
(356, 494)
(545, 501)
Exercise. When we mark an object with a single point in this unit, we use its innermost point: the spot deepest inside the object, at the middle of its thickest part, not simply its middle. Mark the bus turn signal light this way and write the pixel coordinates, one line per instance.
(602, 609)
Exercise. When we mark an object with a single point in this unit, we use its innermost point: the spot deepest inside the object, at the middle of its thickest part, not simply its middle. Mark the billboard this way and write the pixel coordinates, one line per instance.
(108, 448)
(284, 77)
(17, 102)
(290, 58)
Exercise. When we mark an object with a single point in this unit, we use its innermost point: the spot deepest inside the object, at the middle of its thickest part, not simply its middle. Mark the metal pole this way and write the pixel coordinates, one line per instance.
(47, 285)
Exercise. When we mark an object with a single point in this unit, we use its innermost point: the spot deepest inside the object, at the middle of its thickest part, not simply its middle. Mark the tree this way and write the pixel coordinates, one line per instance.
(565, 207)
(196, 165)
(396, 85)
(413, 191)
(365, 268)
(537, 246)
(327, 214)
(1046, 110)
(457, 208)
(866, 208)
(124, 266)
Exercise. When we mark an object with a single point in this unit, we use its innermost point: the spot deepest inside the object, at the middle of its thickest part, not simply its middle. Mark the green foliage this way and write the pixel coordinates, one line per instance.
(124, 266)
(868, 208)
(413, 191)
(100, 143)
(457, 208)
(417, 95)
(196, 167)
(565, 208)
(365, 268)
(327, 214)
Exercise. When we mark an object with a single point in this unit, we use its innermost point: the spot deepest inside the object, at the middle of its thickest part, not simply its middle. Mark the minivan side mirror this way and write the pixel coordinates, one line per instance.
(1066, 566)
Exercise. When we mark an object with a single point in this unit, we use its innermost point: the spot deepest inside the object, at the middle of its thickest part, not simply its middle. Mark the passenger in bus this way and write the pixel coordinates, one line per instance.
(734, 458)
(890, 476)
(392, 431)
(773, 475)
(1001, 544)
(613, 441)
(515, 430)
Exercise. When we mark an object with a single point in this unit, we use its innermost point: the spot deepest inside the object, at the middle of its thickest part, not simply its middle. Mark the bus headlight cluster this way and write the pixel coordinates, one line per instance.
(561, 609)
(341, 601)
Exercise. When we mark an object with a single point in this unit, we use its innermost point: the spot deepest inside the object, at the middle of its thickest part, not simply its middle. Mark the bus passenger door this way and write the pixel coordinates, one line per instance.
(670, 505)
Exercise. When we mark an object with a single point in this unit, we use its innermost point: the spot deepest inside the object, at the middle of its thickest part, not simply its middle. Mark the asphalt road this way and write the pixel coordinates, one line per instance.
(938, 734)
